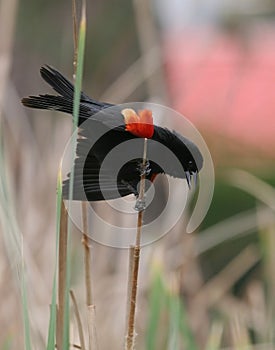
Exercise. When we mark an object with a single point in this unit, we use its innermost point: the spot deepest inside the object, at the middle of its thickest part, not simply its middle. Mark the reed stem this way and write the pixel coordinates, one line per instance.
(62, 271)
(135, 258)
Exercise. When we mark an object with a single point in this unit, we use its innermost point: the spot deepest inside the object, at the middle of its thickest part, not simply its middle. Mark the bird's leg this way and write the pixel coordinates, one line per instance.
(144, 169)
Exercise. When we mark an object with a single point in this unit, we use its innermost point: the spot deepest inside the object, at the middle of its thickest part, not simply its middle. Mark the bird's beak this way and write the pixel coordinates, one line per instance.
(188, 179)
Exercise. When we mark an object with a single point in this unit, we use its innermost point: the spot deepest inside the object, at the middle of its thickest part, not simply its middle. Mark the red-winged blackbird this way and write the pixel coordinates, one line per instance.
(111, 127)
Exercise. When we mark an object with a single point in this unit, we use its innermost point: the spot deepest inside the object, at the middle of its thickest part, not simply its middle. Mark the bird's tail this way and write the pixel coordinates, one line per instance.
(64, 101)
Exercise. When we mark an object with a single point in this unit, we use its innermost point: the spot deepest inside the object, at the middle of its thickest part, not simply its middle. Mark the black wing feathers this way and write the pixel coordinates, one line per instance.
(90, 181)
(64, 102)
(104, 129)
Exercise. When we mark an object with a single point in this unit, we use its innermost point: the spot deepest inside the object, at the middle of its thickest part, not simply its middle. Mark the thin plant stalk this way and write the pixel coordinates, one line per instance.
(88, 281)
(62, 274)
(87, 257)
(85, 238)
(53, 309)
(13, 240)
(78, 320)
(75, 36)
(134, 265)
(141, 193)
(130, 338)
(129, 288)
(92, 328)
(76, 105)
(8, 12)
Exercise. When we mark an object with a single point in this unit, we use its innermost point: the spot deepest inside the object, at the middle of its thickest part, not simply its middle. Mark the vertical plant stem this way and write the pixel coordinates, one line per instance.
(76, 106)
(78, 48)
(62, 272)
(52, 334)
(75, 35)
(8, 11)
(141, 193)
(93, 345)
(87, 255)
(129, 288)
(134, 265)
(88, 281)
(85, 238)
(78, 320)
(130, 338)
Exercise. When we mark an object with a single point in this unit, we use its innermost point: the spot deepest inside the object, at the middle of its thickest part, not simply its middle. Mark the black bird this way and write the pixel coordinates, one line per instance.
(106, 129)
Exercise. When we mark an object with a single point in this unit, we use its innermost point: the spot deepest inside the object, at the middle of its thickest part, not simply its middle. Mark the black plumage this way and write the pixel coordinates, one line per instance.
(98, 175)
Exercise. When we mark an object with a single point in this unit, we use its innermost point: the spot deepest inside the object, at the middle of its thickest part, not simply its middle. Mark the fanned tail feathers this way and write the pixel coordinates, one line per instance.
(64, 102)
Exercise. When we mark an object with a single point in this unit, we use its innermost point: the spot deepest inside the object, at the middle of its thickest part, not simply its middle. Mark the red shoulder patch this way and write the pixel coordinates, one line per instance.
(139, 124)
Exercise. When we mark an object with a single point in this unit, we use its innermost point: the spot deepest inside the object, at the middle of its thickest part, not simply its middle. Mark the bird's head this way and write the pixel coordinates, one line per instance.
(187, 159)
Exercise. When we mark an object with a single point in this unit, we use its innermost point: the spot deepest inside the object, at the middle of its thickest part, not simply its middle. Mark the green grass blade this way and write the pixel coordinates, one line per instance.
(7, 344)
(25, 310)
(156, 302)
(174, 321)
(13, 240)
(77, 92)
(52, 323)
(184, 328)
(163, 300)
(79, 67)
(179, 331)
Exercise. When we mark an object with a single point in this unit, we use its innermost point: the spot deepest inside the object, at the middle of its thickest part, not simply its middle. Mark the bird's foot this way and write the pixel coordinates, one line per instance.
(144, 169)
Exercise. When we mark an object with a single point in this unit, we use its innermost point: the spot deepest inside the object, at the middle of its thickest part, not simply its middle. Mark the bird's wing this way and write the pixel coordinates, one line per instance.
(91, 182)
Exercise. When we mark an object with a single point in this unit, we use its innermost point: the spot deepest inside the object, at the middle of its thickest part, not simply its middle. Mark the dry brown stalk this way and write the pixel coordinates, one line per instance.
(8, 11)
(134, 261)
(93, 345)
(130, 338)
(129, 288)
(78, 320)
(88, 280)
(62, 258)
(87, 255)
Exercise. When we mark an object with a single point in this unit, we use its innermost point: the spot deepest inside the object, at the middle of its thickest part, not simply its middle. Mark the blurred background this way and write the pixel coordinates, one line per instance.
(212, 61)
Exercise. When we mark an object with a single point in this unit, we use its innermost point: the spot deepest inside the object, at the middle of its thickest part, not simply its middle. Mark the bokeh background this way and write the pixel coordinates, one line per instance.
(214, 62)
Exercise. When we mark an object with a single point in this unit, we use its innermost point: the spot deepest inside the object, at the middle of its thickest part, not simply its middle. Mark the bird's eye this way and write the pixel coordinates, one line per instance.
(192, 166)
